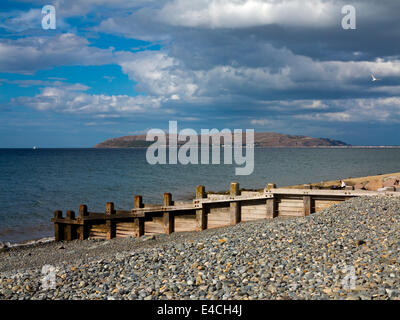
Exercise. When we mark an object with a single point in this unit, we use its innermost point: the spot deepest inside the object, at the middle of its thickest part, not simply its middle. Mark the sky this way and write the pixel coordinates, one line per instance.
(123, 67)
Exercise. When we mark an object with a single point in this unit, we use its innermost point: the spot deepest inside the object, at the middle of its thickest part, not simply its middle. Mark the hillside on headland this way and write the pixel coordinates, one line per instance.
(261, 139)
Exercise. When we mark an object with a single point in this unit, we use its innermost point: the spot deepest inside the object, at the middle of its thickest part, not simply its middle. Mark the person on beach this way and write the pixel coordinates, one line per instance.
(342, 185)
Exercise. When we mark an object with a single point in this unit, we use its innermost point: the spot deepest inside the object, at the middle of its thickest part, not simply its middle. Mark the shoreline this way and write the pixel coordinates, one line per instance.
(299, 258)
(26, 243)
(375, 182)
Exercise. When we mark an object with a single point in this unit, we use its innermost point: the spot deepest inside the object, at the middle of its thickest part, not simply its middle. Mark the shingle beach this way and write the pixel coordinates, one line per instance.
(349, 251)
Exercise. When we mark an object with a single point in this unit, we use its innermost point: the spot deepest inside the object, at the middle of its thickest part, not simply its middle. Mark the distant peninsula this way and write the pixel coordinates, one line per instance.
(261, 139)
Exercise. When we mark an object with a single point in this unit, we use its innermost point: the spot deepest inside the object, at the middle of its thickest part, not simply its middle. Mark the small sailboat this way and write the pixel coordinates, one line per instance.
(34, 148)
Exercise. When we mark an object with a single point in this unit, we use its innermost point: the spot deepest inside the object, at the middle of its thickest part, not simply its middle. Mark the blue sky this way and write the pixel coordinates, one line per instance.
(114, 68)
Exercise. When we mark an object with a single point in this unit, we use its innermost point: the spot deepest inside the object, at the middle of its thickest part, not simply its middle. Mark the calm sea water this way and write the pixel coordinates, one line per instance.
(34, 183)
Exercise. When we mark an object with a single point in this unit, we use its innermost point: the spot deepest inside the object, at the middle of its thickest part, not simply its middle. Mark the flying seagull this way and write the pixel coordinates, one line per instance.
(374, 79)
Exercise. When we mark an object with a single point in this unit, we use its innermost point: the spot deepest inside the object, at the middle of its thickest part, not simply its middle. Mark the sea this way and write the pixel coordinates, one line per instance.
(35, 183)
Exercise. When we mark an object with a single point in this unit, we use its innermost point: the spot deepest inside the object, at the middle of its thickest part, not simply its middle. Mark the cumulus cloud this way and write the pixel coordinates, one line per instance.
(261, 61)
(73, 99)
(158, 74)
(386, 110)
(17, 21)
(29, 54)
(250, 13)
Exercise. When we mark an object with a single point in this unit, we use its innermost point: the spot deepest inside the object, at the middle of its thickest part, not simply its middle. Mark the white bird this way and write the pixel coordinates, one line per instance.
(374, 79)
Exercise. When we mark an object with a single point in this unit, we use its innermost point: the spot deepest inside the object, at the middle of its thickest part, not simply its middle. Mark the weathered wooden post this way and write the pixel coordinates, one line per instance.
(138, 202)
(235, 212)
(168, 217)
(201, 214)
(139, 221)
(307, 205)
(82, 229)
(110, 225)
(271, 207)
(271, 186)
(58, 227)
(69, 228)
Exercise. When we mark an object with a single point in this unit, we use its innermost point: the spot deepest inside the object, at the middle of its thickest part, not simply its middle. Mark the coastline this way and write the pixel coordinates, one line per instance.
(272, 147)
(374, 182)
(299, 258)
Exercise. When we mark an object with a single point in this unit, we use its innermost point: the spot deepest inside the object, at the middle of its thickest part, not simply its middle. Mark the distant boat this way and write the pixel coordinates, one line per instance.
(34, 147)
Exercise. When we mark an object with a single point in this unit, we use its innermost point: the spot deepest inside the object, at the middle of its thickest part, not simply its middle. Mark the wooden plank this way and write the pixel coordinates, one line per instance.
(291, 203)
(99, 227)
(66, 221)
(235, 213)
(110, 225)
(139, 223)
(125, 229)
(201, 219)
(199, 202)
(280, 209)
(125, 233)
(218, 218)
(160, 209)
(289, 206)
(70, 233)
(168, 217)
(254, 209)
(97, 235)
(234, 189)
(307, 205)
(185, 223)
(253, 214)
(58, 228)
(271, 208)
(168, 222)
(235, 207)
(155, 226)
(139, 226)
(325, 203)
(138, 202)
(82, 229)
(291, 213)
(128, 225)
(270, 186)
(328, 193)
(119, 215)
(201, 192)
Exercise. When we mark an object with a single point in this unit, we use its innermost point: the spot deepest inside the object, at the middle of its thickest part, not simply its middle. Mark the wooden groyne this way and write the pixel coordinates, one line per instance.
(204, 212)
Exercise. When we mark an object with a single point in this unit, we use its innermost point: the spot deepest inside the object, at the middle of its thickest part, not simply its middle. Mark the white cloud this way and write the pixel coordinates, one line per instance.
(261, 122)
(250, 13)
(165, 76)
(384, 110)
(27, 55)
(72, 99)
(217, 68)
(21, 20)
(158, 74)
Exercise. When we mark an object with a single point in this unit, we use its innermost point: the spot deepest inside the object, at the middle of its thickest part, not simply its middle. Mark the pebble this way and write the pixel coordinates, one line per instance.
(349, 251)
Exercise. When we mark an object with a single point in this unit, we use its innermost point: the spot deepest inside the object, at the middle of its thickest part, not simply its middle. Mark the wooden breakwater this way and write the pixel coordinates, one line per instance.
(204, 212)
